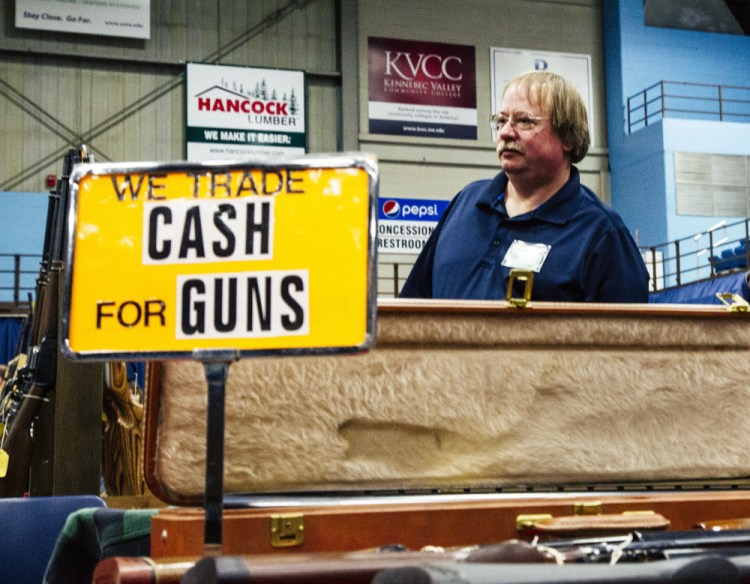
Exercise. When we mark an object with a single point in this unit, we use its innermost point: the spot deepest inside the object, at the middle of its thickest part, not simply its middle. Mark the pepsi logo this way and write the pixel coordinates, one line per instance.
(391, 208)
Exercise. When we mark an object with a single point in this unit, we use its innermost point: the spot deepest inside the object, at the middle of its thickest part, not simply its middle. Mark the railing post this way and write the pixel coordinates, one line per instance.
(395, 280)
(677, 255)
(711, 253)
(661, 87)
(721, 109)
(645, 107)
(629, 122)
(16, 277)
(653, 269)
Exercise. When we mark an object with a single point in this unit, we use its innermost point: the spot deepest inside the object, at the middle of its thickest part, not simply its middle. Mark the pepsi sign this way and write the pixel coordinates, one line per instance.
(411, 209)
(405, 225)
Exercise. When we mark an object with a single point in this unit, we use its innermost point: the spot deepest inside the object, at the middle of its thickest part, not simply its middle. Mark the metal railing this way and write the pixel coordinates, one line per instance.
(727, 103)
(716, 252)
(18, 272)
(391, 277)
(720, 250)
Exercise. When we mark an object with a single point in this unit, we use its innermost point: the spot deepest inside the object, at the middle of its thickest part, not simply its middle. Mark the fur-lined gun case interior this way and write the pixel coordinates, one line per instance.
(472, 395)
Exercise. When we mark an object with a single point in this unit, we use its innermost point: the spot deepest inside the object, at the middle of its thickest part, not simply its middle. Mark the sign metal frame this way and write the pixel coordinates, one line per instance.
(357, 161)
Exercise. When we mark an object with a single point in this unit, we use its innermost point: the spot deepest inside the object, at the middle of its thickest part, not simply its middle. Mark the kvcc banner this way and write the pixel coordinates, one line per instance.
(421, 89)
(235, 113)
(170, 259)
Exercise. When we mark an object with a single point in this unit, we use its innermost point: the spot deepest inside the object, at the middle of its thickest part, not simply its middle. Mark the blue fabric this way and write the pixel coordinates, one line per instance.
(592, 257)
(704, 292)
(29, 527)
(10, 329)
(136, 372)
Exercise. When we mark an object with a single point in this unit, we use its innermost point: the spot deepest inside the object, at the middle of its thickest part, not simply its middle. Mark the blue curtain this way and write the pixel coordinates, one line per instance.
(10, 330)
(701, 292)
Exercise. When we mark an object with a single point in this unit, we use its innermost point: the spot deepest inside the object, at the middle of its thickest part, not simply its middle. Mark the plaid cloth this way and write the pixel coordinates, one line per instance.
(90, 535)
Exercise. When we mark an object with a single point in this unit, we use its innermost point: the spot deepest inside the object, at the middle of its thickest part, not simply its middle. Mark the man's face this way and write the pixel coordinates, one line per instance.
(534, 152)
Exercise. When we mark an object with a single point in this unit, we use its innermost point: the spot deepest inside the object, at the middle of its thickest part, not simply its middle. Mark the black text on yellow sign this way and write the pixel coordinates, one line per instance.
(174, 260)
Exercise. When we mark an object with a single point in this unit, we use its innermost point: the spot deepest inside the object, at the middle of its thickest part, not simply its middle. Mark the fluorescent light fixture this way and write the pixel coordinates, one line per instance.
(722, 240)
(719, 224)
(702, 252)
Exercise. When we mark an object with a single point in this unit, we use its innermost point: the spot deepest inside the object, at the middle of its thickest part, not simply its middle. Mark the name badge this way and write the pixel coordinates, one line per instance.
(526, 256)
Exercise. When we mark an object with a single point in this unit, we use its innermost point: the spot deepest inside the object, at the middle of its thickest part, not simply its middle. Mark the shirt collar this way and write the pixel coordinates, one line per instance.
(557, 209)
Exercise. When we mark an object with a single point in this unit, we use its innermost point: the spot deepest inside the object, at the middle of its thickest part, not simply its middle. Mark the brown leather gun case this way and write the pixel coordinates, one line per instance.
(463, 416)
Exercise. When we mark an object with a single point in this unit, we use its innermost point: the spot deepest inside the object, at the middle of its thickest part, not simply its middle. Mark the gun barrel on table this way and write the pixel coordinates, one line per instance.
(679, 556)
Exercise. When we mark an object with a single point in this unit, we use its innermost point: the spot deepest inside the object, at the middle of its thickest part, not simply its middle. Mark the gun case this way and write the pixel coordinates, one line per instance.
(464, 416)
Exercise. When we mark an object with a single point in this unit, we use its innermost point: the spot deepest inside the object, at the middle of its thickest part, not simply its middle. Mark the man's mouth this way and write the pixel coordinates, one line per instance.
(509, 147)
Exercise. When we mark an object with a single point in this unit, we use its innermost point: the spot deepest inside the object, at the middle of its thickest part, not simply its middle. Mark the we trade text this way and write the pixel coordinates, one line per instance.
(203, 184)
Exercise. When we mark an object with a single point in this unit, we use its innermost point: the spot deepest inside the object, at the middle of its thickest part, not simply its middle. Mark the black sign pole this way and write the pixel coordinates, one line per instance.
(216, 371)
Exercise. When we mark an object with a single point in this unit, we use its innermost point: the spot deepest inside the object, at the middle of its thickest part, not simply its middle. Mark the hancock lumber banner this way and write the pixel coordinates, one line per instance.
(233, 113)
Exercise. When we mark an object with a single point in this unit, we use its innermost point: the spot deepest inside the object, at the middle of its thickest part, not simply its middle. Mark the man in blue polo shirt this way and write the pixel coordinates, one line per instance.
(534, 215)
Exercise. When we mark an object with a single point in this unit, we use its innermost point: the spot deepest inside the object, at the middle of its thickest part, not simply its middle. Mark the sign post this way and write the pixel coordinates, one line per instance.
(218, 261)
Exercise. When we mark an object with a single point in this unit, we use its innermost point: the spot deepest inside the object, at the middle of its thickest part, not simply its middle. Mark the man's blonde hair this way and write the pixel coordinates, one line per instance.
(563, 103)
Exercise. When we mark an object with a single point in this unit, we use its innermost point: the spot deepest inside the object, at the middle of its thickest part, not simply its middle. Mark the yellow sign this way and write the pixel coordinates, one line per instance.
(166, 260)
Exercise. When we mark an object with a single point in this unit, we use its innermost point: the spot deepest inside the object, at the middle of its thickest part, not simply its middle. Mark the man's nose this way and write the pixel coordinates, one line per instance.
(506, 130)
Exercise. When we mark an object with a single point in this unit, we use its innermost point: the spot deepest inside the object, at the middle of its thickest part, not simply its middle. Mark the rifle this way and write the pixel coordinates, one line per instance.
(644, 546)
(36, 377)
(11, 369)
(656, 556)
(508, 562)
(714, 569)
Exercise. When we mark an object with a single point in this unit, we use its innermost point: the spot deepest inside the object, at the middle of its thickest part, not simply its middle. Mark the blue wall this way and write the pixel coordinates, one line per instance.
(642, 167)
(24, 220)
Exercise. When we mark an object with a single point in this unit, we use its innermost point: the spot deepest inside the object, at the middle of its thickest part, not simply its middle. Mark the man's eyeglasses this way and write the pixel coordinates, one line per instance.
(522, 122)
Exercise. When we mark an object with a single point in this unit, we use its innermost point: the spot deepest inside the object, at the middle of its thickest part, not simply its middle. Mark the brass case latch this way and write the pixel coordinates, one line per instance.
(524, 522)
(587, 508)
(526, 276)
(287, 530)
(734, 302)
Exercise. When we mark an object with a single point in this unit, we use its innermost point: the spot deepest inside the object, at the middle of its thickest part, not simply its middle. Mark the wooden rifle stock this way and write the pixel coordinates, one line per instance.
(122, 438)
(41, 365)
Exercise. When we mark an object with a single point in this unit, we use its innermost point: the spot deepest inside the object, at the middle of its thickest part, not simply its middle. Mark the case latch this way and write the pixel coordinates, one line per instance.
(587, 508)
(526, 276)
(524, 522)
(734, 302)
(287, 530)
